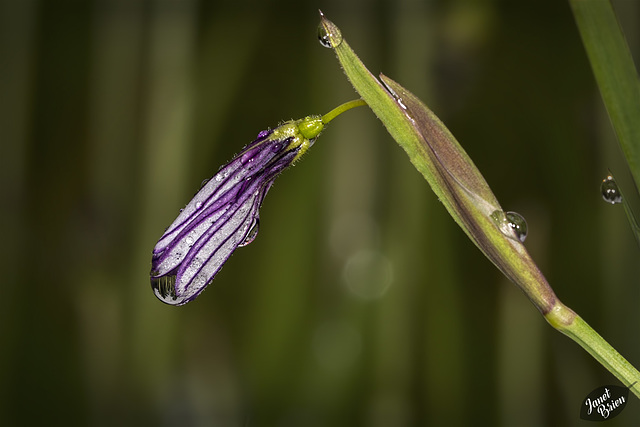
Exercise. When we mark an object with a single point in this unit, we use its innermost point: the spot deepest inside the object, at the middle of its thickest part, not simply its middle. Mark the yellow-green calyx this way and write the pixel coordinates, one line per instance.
(300, 133)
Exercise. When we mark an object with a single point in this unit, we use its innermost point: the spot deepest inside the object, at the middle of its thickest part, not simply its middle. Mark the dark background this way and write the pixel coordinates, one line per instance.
(360, 303)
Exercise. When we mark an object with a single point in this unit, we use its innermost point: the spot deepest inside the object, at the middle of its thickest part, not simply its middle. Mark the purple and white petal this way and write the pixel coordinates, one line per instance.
(222, 216)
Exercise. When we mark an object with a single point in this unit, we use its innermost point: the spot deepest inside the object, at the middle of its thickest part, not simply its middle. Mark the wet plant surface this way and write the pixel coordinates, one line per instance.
(360, 299)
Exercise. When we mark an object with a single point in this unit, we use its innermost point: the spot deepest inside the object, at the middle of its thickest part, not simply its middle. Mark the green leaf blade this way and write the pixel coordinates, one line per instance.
(447, 168)
(615, 74)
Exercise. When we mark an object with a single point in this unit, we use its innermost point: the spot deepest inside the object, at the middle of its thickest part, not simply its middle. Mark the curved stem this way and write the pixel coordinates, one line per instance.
(341, 109)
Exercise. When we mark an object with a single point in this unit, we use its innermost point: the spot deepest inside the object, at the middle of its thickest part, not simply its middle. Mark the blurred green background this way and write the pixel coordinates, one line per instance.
(360, 303)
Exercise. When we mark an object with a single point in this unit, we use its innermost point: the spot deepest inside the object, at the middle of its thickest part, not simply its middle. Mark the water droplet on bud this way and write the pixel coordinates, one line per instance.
(512, 224)
(517, 224)
(253, 232)
(610, 192)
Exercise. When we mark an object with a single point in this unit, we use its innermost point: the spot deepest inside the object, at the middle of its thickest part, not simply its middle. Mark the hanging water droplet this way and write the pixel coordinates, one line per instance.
(253, 232)
(512, 224)
(325, 36)
(164, 289)
(610, 191)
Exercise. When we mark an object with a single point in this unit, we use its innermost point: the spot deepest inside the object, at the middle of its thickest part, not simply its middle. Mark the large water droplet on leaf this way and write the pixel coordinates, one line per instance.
(610, 191)
(512, 224)
(517, 224)
(325, 37)
(165, 290)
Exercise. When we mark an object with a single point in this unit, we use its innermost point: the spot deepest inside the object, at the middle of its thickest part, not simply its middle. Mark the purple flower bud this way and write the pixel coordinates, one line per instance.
(223, 215)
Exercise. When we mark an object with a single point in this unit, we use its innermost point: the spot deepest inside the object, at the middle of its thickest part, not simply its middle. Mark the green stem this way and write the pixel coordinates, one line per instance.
(341, 109)
(569, 323)
(461, 188)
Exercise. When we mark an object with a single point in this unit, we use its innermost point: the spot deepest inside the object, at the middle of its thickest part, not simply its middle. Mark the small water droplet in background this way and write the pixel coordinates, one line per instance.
(325, 37)
(610, 192)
